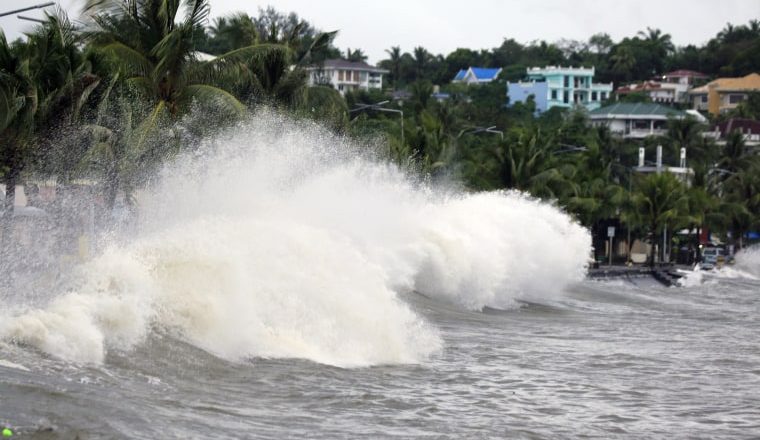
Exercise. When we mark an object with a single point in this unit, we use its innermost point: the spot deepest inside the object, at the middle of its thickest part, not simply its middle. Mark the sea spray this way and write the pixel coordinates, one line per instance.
(280, 240)
(748, 261)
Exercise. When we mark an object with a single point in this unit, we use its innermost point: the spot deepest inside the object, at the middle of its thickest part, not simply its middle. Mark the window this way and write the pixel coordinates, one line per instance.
(340, 87)
(340, 75)
(566, 96)
(567, 82)
(640, 125)
(593, 96)
(735, 99)
(603, 96)
(554, 95)
(704, 99)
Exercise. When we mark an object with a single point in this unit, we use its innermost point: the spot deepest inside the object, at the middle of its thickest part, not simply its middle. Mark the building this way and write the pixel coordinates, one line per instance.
(635, 120)
(723, 94)
(346, 76)
(669, 88)
(658, 92)
(476, 75)
(749, 128)
(689, 78)
(557, 86)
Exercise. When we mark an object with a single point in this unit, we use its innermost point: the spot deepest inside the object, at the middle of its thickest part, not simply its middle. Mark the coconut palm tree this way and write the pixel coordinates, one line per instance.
(395, 64)
(659, 201)
(45, 83)
(153, 48)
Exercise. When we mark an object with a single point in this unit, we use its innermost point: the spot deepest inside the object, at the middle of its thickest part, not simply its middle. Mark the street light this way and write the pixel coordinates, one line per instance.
(377, 107)
(475, 130)
(15, 11)
(36, 20)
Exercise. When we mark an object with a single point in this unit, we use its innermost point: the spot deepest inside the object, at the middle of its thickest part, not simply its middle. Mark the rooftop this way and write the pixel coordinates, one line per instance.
(637, 109)
(349, 65)
(749, 82)
(485, 73)
(684, 72)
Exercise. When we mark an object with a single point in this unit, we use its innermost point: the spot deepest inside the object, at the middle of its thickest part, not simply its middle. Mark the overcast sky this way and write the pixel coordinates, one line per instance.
(443, 25)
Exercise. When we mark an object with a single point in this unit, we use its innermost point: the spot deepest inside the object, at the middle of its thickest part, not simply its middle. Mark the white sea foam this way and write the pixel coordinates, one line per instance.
(748, 261)
(282, 241)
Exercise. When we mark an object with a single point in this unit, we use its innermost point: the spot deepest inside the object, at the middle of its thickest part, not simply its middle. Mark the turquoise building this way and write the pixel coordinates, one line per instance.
(557, 86)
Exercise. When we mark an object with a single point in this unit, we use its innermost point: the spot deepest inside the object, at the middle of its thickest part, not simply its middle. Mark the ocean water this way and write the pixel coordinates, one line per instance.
(284, 283)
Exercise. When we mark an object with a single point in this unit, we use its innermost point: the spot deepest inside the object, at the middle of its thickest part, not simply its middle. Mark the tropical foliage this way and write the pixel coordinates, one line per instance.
(111, 101)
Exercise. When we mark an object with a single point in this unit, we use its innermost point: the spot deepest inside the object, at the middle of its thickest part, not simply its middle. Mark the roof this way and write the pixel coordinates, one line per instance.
(684, 72)
(348, 65)
(485, 73)
(744, 125)
(749, 82)
(460, 75)
(636, 109)
(643, 87)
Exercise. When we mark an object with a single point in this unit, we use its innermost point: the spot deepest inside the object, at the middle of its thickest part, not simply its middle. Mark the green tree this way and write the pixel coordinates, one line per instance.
(45, 83)
(659, 201)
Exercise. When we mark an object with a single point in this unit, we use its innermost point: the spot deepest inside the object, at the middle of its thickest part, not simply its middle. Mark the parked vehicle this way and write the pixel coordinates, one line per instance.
(712, 257)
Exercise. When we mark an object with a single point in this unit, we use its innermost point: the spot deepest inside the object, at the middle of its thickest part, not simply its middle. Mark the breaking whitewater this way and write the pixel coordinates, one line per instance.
(282, 282)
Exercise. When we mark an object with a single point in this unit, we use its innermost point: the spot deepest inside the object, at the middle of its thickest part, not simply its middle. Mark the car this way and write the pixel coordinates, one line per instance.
(712, 256)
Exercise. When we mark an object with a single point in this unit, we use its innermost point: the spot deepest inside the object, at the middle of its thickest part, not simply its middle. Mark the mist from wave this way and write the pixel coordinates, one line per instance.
(280, 240)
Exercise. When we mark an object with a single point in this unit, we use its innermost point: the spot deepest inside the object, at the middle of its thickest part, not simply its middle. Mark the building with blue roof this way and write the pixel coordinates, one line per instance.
(477, 75)
(557, 86)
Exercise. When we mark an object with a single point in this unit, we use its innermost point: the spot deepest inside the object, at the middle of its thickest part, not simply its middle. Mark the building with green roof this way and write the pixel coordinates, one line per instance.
(635, 120)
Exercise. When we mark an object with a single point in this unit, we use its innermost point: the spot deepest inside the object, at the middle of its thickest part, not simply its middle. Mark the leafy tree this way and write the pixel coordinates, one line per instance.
(356, 55)
(659, 201)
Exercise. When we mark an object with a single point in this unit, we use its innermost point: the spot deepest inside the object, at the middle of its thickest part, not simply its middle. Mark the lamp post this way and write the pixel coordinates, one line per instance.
(36, 20)
(475, 130)
(29, 8)
(378, 107)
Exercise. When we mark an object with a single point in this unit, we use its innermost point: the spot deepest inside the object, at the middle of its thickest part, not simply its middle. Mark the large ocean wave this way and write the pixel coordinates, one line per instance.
(280, 240)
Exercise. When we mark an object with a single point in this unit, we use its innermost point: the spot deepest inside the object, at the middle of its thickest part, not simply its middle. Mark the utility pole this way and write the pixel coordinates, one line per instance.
(15, 11)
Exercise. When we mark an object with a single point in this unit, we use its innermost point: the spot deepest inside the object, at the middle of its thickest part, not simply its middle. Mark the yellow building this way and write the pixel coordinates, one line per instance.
(724, 94)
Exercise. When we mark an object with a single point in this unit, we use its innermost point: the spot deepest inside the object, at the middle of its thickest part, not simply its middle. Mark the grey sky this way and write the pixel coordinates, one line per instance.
(442, 26)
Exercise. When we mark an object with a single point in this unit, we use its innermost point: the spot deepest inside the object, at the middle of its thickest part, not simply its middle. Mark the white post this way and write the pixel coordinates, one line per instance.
(659, 158)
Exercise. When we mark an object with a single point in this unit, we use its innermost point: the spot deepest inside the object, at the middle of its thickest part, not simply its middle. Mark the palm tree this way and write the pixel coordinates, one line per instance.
(155, 50)
(395, 63)
(421, 61)
(45, 83)
(232, 32)
(355, 55)
(662, 43)
(659, 201)
(623, 60)
(19, 103)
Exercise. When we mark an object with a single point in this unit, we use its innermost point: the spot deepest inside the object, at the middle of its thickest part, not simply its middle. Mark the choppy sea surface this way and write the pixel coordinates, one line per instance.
(284, 284)
(608, 360)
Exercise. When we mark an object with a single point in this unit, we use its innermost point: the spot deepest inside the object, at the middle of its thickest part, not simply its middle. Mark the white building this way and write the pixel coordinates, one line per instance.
(659, 92)
(637, 121)
(346, 76)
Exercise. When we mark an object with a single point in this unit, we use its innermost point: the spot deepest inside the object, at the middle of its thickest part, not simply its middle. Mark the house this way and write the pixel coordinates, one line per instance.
(723, 94)
(749, 128)
(476, 75)
(663, 93)
(669, 88)
(635, 120)
(689, 78)
(346, 76)
(557, 86)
